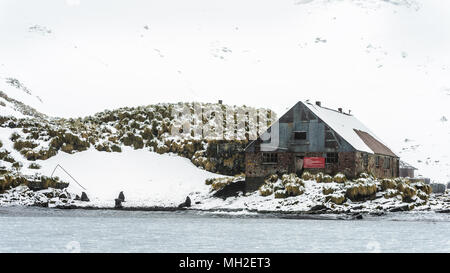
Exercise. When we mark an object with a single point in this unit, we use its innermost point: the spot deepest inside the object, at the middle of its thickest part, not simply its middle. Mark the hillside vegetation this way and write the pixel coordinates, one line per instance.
(214, 141)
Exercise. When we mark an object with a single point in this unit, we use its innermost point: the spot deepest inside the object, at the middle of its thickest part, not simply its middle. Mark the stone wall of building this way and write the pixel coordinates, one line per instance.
(350, 163)
(377, 170)
(256, 168)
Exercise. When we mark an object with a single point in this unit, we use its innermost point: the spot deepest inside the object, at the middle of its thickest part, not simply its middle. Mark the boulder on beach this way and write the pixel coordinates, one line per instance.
(118, 203)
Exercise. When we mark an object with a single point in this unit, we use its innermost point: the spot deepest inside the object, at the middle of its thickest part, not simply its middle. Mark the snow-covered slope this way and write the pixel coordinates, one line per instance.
(146, 178)
(18, 100)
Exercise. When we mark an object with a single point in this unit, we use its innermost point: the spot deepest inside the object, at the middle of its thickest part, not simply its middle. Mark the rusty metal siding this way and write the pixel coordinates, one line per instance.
(315, 129)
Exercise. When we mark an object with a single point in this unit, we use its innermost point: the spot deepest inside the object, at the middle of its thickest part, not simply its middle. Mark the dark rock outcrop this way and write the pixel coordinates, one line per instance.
(318, 208)
(118, 203)
(232, 189)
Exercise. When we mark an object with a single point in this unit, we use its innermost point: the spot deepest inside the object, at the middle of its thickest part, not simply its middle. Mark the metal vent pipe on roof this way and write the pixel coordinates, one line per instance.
(318, 103)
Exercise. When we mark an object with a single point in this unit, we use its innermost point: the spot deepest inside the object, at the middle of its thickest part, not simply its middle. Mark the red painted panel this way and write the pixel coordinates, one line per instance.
(314, 163)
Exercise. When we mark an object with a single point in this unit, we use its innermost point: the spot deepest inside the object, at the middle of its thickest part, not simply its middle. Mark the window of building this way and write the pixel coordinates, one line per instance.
(332, 158)
(377, 161)
(270, 158)
(387, 163)
(300, 135)
(366, 160)
(330, 139)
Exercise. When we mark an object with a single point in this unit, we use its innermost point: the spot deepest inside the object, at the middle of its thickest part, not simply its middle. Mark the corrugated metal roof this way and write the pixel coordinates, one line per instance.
(404, 165)
(376, 146)
(346, 126)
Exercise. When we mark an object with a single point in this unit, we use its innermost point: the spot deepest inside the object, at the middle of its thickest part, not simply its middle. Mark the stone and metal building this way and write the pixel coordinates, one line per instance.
(406, 170)
(318, 139)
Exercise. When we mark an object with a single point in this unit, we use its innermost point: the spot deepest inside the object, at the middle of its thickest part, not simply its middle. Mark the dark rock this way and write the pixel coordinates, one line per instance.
(118, 204)
(121, 196)
(377, 213)
(49, 194)
(63, 196)
(84, 197)
(401, 208)
(358, 216)
(318, 207)
(41, 204)
(232, 189)
(77, 197)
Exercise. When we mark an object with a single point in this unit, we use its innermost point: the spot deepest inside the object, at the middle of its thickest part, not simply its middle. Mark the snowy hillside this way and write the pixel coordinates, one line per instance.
(18, 100)
(142, 151)
(386, 60)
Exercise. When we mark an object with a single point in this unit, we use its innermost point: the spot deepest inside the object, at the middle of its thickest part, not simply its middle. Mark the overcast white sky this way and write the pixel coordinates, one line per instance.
(386, 60)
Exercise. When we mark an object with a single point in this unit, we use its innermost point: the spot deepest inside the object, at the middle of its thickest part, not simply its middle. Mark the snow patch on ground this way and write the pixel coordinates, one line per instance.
(146, 178)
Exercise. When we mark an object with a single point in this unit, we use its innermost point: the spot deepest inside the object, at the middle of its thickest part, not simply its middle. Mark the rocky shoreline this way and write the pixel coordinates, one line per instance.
(312, 201)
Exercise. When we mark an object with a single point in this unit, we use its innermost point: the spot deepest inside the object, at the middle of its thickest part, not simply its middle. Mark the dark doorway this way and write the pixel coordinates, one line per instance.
(298, 165)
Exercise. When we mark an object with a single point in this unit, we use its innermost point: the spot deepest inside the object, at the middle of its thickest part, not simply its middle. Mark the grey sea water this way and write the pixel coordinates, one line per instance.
(52, 230)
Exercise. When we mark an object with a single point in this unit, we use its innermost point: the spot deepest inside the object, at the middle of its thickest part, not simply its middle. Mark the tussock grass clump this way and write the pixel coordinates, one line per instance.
(15, 136)
(19, 145)
(116, 148)
(364, 175)
(42, 154)
(340, 178)
(17, 165)
(293, 189)
(422, 195)
(327, 178)
(3, 154)
(323, 178)
(272, 178)
(34, 166)
(307, 176)
(328, 190)
(292, 178)
(68, 143)
(319, 177)
(391, 193)
(218, 185)
(103, 147)
(337, 199)
(133, 140)
(426, 189)
(288, 185)
(388, 184)
(266, 190)
(220, 182)
(407, 192)
(361, 192)
(280, 194)
(209, 181)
